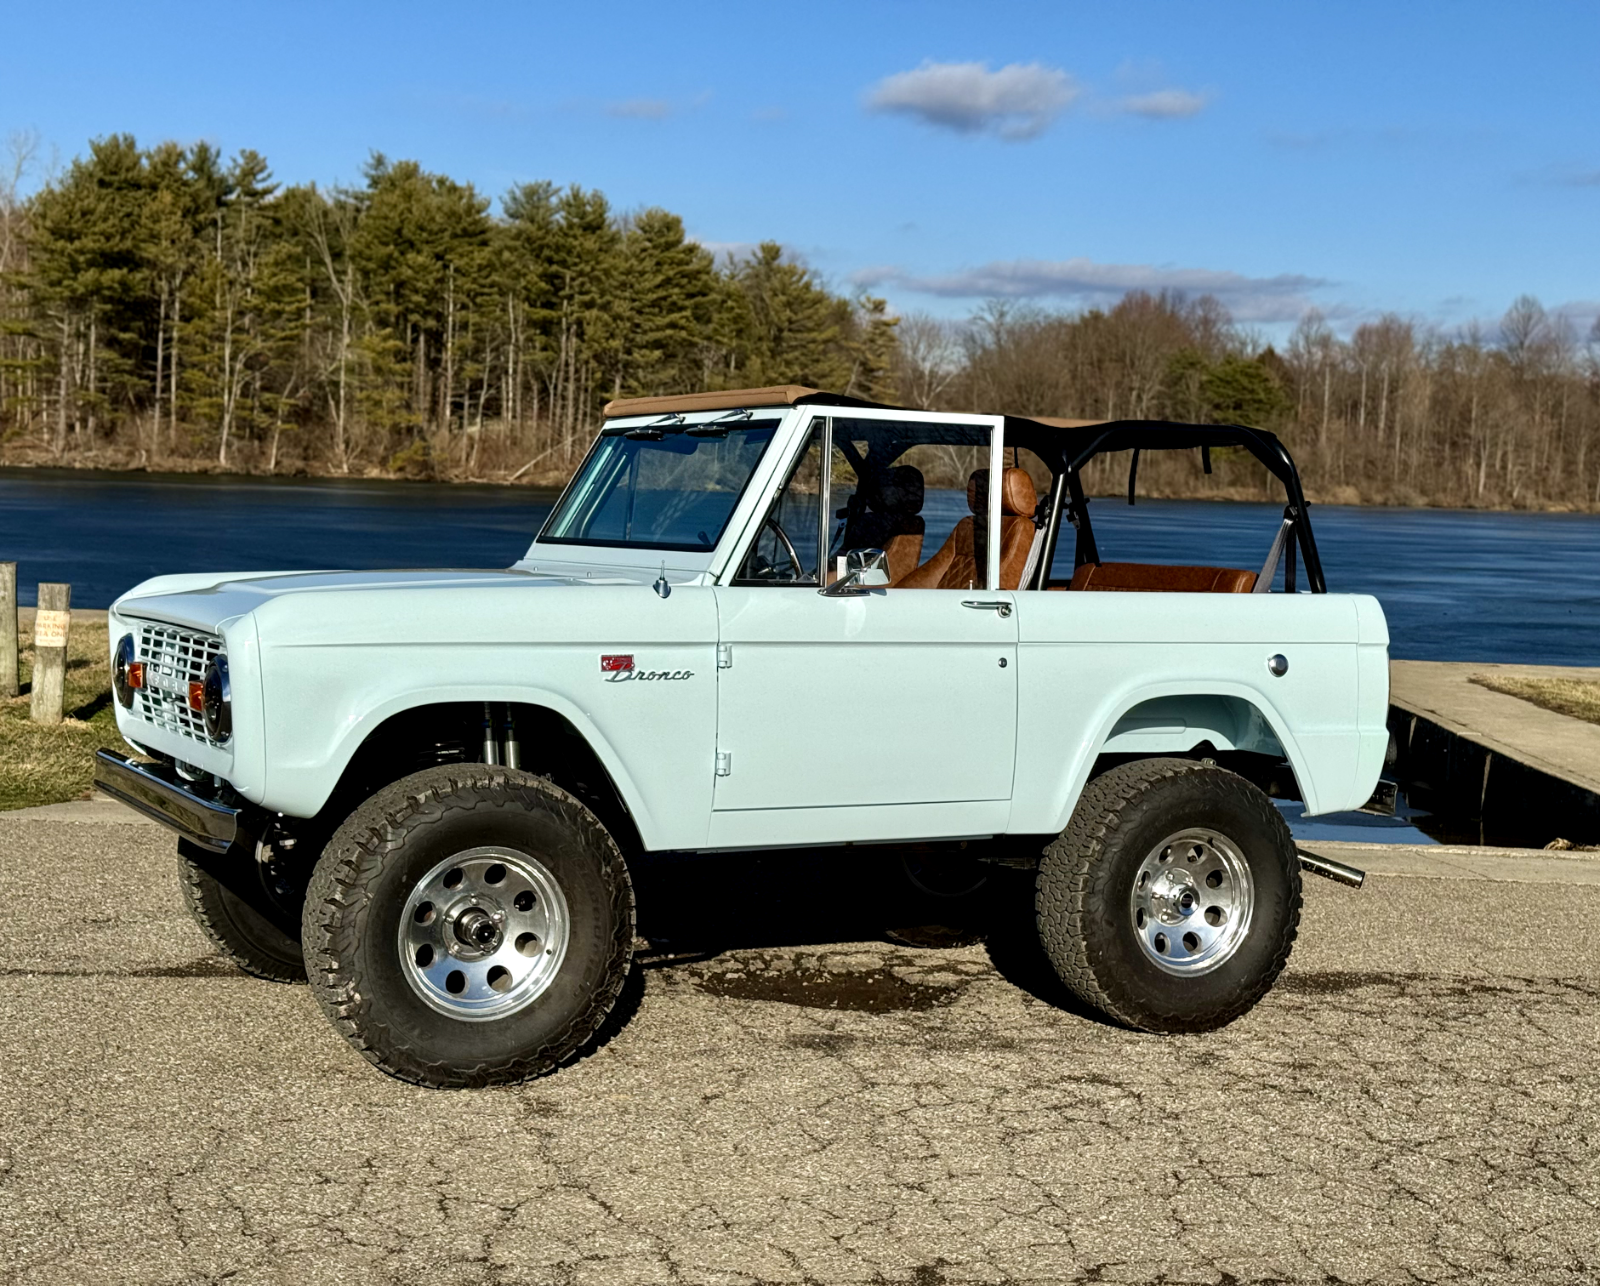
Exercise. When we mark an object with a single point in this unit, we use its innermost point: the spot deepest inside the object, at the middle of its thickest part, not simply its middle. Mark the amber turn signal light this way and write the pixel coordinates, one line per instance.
(135, 675)
(197, 696)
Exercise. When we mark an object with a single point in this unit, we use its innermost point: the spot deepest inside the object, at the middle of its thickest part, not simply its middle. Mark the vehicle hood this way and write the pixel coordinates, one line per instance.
(207, 601)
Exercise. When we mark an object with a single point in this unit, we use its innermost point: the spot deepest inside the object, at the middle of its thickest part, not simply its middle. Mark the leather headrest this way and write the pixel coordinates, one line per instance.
(1017, 496)
(901, 492)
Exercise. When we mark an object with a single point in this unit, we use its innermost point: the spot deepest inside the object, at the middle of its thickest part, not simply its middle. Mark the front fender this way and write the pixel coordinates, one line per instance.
(655, 739)
(302, 788)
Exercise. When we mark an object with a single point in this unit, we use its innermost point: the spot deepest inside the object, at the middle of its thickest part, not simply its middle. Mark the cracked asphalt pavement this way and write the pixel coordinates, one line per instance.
(785, 1097)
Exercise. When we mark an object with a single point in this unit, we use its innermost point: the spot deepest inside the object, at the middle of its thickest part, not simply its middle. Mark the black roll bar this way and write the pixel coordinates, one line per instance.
(1075, 447)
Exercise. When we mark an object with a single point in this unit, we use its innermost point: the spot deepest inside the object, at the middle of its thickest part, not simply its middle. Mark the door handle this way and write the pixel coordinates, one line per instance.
(995, 604)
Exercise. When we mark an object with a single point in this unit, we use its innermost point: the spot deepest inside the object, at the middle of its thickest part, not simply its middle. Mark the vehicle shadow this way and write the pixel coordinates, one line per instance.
(693, 908)
(703, 905)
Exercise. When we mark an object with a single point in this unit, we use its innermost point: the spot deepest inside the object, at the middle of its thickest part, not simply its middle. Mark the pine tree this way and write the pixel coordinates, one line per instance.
(873, 348)
(88, 274)
(792, 326)
(662, 305)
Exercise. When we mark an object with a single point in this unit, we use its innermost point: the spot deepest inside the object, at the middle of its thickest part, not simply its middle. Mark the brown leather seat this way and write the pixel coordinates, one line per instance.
(956, 565)
(1157, 578)
(892, 521)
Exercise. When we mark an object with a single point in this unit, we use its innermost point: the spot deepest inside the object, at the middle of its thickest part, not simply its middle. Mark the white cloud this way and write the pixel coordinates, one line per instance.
(1164, 104)
(1251, 299)
(641, 109)
(1583, 315)
(1019, 101)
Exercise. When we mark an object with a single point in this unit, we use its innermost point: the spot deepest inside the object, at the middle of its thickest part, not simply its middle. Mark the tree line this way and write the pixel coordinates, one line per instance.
(165, 307)
(161, 305)
(1395, 413)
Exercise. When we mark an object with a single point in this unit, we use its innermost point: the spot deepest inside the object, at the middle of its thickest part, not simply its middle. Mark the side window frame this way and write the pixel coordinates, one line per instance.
(825, 416)
(994, 424)
(813, 426)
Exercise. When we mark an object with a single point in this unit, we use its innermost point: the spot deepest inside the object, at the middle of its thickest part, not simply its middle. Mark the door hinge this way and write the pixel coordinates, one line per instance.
(724, 656)
(724, 763)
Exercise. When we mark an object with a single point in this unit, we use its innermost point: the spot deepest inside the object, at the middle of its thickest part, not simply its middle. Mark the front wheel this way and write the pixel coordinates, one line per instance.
(249, 909)
(469, 925)
(1172, 899)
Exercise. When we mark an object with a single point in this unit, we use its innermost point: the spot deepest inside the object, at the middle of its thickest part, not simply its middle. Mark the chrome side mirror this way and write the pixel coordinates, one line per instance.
(864, 569)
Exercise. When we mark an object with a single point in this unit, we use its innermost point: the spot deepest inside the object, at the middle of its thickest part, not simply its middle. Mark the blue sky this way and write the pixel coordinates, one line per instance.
(1433, 159)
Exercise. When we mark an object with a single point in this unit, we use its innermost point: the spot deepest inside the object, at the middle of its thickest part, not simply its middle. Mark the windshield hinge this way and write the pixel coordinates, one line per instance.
(724, 656)
(724, 763)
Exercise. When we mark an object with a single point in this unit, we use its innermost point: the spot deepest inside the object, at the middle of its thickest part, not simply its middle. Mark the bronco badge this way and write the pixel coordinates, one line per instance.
(619, 669)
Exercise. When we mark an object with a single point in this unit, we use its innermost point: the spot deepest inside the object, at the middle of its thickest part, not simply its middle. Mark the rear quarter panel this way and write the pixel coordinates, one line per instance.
(1086, 660)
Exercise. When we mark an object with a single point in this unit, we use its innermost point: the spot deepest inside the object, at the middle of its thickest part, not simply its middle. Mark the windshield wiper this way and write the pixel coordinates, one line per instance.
(718, 428)
(650, 432)
(657, 429)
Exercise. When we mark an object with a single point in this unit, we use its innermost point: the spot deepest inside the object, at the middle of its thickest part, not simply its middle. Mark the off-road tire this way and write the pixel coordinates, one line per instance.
(223, 894)
(367, 871)
(1085, 883)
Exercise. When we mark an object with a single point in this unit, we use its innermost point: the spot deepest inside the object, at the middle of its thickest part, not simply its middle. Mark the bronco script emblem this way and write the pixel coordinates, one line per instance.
(619, 669)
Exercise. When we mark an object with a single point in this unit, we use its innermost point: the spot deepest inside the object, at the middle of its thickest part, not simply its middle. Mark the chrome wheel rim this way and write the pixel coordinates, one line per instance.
(484, 933)
(1191, 903)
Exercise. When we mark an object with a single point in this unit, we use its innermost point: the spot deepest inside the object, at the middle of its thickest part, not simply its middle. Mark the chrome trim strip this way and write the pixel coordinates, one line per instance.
(155, 790)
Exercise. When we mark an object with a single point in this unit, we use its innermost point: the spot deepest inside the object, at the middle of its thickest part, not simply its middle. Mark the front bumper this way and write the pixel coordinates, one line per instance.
(157, 791)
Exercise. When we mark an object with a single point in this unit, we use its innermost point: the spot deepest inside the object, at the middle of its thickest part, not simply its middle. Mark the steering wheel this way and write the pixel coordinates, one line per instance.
(771, 570)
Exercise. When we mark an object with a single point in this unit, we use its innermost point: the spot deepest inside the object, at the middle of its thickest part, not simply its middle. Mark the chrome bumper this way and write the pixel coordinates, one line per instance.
(159, 793)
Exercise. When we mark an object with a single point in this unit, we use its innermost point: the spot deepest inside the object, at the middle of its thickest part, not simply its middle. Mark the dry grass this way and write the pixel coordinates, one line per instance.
(43, 764)
(1579, 698)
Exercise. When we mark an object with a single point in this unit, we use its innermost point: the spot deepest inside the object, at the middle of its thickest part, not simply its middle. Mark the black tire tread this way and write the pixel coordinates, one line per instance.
(202, 895)
(354, 857)
(1072, 868)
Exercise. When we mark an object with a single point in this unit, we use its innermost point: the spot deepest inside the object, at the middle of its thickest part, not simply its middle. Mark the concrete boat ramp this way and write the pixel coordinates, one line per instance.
(1516, 768)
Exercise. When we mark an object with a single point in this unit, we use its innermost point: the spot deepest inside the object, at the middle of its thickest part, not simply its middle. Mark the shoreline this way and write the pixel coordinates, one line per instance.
(555, 481)
(196, 469)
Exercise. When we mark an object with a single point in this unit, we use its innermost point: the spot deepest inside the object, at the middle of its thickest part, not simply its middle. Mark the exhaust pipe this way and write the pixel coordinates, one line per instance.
(1326, 867)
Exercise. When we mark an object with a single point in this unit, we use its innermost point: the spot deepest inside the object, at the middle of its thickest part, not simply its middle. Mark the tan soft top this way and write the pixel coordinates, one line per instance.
(773, 395)
(727, 400)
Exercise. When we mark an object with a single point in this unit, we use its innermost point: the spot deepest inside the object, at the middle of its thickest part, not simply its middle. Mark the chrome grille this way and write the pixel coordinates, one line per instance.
(173, 658)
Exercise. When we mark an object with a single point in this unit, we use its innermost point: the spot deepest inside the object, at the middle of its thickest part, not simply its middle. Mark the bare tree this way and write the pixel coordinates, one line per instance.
(930, 359)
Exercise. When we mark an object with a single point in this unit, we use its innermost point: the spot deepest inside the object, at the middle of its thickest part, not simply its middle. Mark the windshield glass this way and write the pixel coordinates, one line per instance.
(667, 486)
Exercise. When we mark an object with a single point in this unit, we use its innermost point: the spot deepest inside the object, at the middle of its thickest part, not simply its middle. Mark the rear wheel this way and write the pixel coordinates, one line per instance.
(469, 925)
(1172, 899)
(249, 909)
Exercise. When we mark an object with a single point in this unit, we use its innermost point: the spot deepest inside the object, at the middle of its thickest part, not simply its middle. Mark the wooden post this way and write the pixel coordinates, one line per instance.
(50, 626)
(8, 630)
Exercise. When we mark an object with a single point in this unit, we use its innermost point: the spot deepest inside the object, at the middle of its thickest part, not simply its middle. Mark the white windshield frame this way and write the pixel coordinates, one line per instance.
(559, 557)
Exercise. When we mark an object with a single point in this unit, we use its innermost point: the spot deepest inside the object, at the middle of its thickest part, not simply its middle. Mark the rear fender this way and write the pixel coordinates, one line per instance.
(1170, 719)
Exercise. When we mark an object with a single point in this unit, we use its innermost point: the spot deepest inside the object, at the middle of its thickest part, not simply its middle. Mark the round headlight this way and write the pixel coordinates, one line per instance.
(216, 705)
(120, 678)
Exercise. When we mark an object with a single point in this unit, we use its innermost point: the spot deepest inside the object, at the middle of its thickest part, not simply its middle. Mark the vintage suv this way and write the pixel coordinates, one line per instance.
(760, 619)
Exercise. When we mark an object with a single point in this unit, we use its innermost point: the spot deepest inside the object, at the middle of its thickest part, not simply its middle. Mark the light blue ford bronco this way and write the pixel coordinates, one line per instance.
(765, 619)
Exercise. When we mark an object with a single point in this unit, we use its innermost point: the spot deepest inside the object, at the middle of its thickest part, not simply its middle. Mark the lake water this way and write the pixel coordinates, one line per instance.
(1456, 585)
